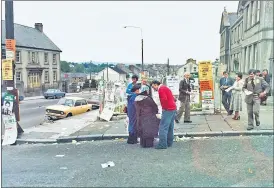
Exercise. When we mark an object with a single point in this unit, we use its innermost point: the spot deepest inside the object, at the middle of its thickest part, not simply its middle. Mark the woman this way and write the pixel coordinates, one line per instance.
(131, 112)
(236, 98)
(147, 122)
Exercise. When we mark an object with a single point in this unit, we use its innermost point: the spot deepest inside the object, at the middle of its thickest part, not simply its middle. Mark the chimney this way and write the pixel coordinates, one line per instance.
(39, 27)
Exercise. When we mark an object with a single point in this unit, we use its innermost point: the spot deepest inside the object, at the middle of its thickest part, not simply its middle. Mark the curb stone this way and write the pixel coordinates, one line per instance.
(99, 137)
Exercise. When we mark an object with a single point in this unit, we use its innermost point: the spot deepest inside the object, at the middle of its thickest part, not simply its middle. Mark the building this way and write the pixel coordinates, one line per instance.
(190, 66)
(112, 73)
(250, 38)
(37, 59)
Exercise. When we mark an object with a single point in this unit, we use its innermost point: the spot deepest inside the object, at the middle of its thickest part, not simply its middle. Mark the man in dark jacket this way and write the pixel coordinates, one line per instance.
(225, 83)
(266, 77)
(184, 98)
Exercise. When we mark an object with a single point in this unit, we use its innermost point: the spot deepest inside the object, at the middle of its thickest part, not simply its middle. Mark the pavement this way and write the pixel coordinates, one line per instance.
(32, 111)
(205, 162)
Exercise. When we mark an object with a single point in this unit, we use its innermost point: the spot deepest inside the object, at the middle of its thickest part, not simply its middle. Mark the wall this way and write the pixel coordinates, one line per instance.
(112, 75)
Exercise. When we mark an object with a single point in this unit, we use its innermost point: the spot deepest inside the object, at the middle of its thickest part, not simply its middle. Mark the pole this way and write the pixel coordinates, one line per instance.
(90, 76)
(142, 41)
(107, 72)
(9, 85)
(168, 66)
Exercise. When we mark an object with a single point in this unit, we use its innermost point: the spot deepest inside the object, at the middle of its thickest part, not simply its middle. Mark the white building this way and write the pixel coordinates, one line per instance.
(37, 59)
(113, 74)
(250, 37)
(190, 66)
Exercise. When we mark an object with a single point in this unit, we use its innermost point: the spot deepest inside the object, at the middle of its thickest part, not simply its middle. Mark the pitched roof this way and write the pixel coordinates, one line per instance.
(29, 37)
(118, 70)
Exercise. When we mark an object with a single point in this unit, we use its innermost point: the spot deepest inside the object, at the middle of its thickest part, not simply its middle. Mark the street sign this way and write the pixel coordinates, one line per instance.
(10, 44)
(9, 54)
(7, 69)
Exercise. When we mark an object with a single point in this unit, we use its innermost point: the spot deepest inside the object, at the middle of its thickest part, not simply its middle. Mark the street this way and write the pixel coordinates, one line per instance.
(235, 162)
(32, 112)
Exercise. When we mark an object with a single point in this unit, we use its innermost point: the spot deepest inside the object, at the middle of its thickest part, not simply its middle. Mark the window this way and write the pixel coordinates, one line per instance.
(33, 57)
(18, 57)
(18, 76)
(252, 19)
(3, 53)
(54, 76)
(54, 59)
(258, 11)
(232, 37)
(184, 69)
(29, 57)
(37, 58)
(46, 76)
(78, 103)
(34, 80)
(247, 18)
(84, 102)
(195, 69)
(255, 56)
(46, 58)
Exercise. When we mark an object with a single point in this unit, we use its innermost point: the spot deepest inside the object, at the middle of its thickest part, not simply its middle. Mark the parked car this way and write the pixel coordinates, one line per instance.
(95, 101)
(68, 106)
(54, 93)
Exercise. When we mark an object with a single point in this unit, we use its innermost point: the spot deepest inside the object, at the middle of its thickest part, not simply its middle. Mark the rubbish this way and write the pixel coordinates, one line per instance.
(77, 143)
(205, 137)
(74, 141)
(59, 155)
(177, 138)
(250, 171)
(108, 164)
(63, 168)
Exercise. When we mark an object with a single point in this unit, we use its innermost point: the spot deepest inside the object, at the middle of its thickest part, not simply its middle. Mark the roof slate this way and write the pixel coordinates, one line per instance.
(29, 37)
(116, 69)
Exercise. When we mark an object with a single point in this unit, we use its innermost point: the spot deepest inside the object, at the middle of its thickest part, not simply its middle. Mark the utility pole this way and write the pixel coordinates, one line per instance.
(107, 72)
(142, 41)
(8, 83)
(168, 67)
(90, 76)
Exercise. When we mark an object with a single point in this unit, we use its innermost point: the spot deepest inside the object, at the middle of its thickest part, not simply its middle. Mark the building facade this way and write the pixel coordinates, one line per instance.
(113, 74)
(37, 60)
(190, 66)
(250, 37)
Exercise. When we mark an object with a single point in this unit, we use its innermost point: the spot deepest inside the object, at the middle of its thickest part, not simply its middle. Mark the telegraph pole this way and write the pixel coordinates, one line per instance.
(90, 76)
(8, 81)
(107, 72)
(168, 67)
(142, 41)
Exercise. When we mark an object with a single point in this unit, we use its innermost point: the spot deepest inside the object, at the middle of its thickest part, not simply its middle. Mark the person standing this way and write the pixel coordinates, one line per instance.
(225, 83)
(267, 79)
(166, 128)
(236, 98)
(131, 112)
(255, 88)
(145, 87)
(184, 98)
(258, 73)
(134, 79)
(147, 121)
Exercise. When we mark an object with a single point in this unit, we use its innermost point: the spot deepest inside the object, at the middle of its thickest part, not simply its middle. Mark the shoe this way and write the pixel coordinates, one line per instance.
(187, 121)
(177, 121)
(249, 128)
(236, 118)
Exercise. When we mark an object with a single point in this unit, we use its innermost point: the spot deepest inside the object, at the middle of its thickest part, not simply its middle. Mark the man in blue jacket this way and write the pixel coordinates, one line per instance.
(226, 82)
(130, 86)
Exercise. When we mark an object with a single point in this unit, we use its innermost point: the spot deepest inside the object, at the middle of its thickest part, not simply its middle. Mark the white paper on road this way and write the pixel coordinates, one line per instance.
(10, 125)
(247, 92)
(59, 155)
(108, 164)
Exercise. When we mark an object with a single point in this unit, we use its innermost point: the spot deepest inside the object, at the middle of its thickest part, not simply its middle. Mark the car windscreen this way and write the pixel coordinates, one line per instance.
(50, 90)
(66, 102)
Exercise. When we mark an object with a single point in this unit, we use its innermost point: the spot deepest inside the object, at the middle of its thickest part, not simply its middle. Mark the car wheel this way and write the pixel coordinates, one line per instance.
(88, 110)
(46, 97)
(69, 115)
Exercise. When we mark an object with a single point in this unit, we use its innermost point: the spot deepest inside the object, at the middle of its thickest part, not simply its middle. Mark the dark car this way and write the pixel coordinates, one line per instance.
(54, 93)
(95, 100)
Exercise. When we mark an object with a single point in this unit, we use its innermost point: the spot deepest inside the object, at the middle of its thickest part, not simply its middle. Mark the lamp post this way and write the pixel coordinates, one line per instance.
(90, 76)
(142, 43)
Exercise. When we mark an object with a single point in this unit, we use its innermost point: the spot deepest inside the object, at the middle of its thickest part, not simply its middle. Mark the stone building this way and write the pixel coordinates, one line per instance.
(37, 59)
(249, 43)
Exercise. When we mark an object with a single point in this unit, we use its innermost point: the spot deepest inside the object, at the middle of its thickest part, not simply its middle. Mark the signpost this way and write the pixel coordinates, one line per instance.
(206, 86)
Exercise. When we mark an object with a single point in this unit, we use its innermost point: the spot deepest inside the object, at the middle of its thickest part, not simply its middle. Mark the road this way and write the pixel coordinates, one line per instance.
(32, 112)
(223, 161)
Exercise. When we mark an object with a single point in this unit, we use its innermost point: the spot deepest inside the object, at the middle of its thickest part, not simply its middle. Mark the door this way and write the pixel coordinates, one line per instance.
(78, 107)
(85, 106)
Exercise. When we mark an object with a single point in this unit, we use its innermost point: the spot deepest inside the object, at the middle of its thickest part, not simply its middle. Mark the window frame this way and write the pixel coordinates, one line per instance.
(46, 73)
(16, 76)
(54, 59)
(46, 58)
(54, 76)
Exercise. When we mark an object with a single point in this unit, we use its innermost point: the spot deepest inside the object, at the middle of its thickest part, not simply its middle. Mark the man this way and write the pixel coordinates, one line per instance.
(184, 98)
(132, 126)
(258, 88)
(226, 82)
(134, 79)
(166, 128)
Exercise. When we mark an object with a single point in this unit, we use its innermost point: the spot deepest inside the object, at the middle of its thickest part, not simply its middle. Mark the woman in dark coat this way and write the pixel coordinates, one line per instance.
(147, 122)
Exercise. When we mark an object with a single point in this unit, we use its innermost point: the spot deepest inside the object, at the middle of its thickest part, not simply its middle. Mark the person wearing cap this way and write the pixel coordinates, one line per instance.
(166, 128)
(258, 89)
(131, 112)
(130, 86)
(147, 121)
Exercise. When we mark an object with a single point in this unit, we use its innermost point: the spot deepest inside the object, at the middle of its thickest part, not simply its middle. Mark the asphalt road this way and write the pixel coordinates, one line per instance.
(229, 162)
(32, 112)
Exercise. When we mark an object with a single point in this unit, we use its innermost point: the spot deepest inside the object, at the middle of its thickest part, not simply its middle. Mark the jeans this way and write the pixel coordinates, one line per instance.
(166, 129)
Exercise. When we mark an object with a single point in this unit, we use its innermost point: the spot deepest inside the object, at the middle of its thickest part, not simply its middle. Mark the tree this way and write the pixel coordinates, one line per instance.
(79, 68)
(65, 66)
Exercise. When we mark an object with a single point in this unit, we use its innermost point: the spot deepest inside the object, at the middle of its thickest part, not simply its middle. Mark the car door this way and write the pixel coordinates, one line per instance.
(78, 107)
(85, 106)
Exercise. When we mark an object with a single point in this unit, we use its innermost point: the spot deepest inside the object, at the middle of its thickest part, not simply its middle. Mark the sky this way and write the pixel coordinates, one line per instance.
(93, 30)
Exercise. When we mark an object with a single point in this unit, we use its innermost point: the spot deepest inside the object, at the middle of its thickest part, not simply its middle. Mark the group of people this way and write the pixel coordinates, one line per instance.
(256, 88)
(142, 113)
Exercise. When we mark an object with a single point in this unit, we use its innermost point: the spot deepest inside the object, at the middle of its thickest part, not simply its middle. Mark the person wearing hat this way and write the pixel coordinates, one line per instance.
(131, 112)
(258, 88)
(130, 86)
